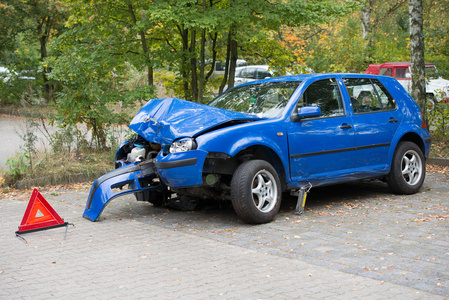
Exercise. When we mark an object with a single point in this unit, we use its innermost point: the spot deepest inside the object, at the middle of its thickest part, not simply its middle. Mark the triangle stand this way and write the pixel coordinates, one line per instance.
(39, 215)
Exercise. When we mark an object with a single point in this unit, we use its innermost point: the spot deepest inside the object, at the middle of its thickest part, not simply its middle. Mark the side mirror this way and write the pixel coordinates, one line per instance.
(307, 112)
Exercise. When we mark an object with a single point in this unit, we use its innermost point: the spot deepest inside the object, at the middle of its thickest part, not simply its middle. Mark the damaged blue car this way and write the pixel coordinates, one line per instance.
(260, 139)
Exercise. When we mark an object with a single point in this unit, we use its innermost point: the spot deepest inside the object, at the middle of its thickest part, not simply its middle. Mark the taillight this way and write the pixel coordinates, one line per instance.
(423, 122)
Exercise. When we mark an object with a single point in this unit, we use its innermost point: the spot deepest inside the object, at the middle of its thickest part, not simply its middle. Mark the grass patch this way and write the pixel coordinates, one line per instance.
(35, 111)
(59, 168)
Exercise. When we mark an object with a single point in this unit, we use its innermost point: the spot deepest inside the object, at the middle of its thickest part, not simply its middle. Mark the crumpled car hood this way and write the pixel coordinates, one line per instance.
(164, 120)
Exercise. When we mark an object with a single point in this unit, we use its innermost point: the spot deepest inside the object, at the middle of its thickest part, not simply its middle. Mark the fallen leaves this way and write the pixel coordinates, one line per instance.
(438, 169)
(429, 218)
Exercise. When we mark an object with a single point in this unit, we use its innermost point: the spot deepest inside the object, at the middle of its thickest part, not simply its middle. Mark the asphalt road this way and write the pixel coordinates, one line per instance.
(355, 241)
(10, 141)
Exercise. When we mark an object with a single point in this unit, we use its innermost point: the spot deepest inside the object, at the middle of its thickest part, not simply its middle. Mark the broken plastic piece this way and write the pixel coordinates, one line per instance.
(102, 191)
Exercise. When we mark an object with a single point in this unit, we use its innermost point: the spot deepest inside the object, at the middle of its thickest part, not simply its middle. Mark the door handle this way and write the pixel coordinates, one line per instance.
(345, 126)
(393, 120)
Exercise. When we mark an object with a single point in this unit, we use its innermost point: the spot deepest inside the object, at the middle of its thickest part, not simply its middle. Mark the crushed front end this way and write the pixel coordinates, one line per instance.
(135, 173)
(163, 159)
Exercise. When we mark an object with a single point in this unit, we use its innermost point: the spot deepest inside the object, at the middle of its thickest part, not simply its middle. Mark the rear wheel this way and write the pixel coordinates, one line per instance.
(256, 192)
(408, 169)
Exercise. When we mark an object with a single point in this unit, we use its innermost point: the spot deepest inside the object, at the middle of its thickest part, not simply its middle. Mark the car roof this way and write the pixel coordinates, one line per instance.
(302, 77)
(253, 66)
(400, 64)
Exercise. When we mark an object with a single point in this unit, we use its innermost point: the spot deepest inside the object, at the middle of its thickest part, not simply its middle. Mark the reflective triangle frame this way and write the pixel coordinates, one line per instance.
(47, 219)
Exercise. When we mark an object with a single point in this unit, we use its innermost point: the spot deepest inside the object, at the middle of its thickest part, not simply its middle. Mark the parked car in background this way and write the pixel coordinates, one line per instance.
(437, 88)
(256, 72)
(7, 75)
(219, 67)
(251, 73)
(262, 138)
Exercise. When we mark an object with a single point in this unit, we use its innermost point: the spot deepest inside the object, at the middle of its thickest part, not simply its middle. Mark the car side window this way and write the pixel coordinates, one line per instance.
(401, 73)
(368, 95)
(386, 72)
(385, 97)
(262, 74)
(326, 95)
(248, 73)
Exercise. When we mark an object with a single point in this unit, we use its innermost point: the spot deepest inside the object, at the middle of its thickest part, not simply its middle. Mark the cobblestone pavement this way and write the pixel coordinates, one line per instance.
(355, 241)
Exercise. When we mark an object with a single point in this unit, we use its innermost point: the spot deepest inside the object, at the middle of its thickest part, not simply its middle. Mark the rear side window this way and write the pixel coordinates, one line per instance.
(386, 72)
(402, 73)
(368, 95)
(249, 73)
(262, 74)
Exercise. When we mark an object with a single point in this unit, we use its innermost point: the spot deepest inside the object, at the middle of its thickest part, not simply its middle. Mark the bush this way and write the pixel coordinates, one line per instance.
(72, 156)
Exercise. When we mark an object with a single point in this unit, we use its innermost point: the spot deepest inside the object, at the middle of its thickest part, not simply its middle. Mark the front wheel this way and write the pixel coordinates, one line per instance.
(408, 169)
(256, 192)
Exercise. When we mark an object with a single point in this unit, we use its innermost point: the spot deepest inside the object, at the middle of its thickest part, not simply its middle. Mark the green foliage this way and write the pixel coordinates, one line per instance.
(439, 121)
(22, 80)
(436, 27)
(29, 27)
(17, 167)
(12, 91)
(340, 47)
(93, 84)
(29, 140)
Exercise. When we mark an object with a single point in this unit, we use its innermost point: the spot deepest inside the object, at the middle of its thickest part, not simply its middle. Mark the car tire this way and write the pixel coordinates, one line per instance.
(408, 169)
(256, 192)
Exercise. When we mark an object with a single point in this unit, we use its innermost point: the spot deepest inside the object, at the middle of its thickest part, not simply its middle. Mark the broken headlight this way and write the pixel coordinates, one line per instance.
(183, 145)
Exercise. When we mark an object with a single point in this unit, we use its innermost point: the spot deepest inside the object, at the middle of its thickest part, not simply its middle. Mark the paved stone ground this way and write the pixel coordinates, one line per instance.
(356, 241)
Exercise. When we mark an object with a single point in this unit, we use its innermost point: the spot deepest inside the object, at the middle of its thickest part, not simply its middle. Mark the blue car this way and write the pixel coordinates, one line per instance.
(260, 139)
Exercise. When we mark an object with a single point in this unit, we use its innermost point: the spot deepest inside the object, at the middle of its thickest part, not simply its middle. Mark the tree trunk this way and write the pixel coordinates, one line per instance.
(185, 61)
(367, 30)
(214, 56)
(43, 30)
(202, 66)
(143, 41)
(193, 70)
(234, 57)
(366, 19)
(228, 55)
(202, 60)
(418, 91)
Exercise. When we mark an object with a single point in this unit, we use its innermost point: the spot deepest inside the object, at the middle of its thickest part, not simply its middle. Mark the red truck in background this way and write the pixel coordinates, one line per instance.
(437, 88)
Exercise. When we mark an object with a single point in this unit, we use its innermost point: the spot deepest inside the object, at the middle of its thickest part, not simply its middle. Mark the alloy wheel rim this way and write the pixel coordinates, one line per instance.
(411, 167)
(264, 191)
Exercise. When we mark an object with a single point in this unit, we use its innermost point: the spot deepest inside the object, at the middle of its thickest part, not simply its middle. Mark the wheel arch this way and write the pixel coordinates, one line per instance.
(264, 153)
(414, 138)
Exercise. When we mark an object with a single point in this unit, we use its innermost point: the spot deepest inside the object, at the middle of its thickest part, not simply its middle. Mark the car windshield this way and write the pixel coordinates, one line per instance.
(266, 100)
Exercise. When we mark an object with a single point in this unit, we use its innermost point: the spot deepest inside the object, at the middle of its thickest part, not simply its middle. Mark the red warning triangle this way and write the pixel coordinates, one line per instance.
(39, 214)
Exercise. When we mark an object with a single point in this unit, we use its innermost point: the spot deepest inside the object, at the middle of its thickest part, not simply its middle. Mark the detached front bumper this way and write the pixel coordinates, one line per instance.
(102, 191)
(174, 170)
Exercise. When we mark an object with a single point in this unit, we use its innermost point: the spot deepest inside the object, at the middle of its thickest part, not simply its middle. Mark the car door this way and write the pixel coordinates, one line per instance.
(376, 120)
(322, 149)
